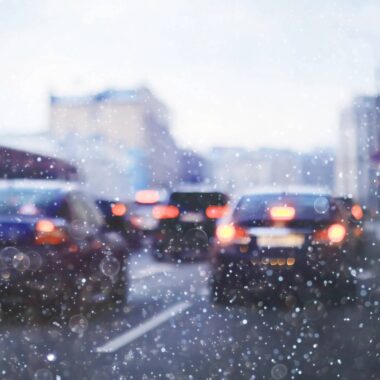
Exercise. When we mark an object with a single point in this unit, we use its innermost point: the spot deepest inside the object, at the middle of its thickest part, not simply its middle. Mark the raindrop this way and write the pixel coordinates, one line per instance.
(110, 266)
(35, 260)
(43, 374)
(78, 324)
(321, 205)
(21, 262)
(279, 371)
(6, 257)
(196, 240)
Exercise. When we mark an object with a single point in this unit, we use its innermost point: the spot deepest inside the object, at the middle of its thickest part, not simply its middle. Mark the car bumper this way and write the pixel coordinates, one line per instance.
(319, 264)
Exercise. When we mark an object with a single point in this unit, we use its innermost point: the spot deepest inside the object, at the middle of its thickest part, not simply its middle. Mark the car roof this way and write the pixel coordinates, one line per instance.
(290, 190)
(36, 184)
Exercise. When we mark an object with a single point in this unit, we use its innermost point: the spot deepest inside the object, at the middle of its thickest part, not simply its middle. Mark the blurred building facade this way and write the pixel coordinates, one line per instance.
(236, 169)
(357, 169)
(124, 132)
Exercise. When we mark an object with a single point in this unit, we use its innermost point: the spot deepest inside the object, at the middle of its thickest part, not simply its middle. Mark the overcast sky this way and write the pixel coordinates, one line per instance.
(252, 73)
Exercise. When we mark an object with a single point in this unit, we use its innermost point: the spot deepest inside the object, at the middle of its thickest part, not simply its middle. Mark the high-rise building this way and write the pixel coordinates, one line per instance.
(357, 166)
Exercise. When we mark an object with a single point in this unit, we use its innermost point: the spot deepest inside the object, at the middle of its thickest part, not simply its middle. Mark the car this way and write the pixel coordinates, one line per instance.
(283, 242)
(141, 212)
(119, 217)
(55, 249)
(187, 224)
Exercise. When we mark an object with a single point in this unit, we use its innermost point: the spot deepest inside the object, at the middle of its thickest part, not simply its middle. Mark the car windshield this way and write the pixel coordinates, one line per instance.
(197, 201)
(307, 207)
(24, 201)
(190, 189)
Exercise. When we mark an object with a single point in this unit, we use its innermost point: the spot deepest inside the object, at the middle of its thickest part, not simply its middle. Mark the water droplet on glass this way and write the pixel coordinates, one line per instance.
(279, 371)
(21, 262)
(43, 374)
(110, 266)
(321, 205)
(78, 324)
(6, 257)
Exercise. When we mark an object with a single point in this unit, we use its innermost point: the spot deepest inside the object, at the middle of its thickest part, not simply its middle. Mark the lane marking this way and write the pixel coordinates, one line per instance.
(150, 271)
(150, 324)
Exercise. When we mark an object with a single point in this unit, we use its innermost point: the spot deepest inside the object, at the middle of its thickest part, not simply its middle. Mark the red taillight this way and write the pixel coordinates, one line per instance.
(147, 196)
(336, 233)
(45, 226)
(165, 212)
(119, 209)
(357, 212)
(48, 233)
(216, 212)
(282, 213)
(228, 233)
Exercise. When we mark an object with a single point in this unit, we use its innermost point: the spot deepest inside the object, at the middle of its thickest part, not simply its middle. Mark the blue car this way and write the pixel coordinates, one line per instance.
(55, 249)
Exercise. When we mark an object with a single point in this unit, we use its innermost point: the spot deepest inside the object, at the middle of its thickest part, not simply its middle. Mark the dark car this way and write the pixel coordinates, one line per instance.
(285, 241)
(119, 217)
(187, 223)
(55, 249)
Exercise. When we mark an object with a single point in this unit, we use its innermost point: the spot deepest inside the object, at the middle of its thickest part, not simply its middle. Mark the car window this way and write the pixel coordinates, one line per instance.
(307, 207)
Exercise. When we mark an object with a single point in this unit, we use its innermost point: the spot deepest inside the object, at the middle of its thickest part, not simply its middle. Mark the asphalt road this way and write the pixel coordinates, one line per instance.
(170, 330)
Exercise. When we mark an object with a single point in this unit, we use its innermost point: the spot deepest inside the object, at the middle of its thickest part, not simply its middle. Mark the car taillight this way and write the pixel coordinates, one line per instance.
(333, 234)
(216, 212)
(336, 233)
(119, 209)
(165, 212)
(357, 212)
(48, 233)
(228, 233)
(282, 213)
(147, 196)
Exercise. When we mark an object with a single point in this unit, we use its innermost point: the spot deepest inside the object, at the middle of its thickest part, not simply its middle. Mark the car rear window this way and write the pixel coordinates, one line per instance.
(307, 207)
(26, 201)
(197, 201)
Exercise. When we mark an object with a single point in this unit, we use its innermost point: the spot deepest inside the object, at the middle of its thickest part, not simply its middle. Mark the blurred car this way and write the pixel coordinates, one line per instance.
(119, 217)
(187, 224)
(353, 214)
(283, 240)
(55, 249)
(141, 211)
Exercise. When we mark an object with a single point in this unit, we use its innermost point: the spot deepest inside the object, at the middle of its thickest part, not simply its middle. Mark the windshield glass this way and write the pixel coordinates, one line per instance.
(27, 201)
(190, 189)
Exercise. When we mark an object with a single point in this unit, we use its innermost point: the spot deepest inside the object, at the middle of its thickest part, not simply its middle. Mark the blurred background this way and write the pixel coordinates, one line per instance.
(235, 95)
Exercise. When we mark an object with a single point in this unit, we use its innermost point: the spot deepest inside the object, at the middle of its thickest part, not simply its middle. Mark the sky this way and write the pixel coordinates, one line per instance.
(235, 73)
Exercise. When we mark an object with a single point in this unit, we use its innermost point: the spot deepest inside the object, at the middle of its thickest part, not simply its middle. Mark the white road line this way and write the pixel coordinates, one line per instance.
(151, 271)
(150, 324)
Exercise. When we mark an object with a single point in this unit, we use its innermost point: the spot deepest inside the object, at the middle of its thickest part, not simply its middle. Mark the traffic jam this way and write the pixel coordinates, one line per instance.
(189, 190)
(79, 262)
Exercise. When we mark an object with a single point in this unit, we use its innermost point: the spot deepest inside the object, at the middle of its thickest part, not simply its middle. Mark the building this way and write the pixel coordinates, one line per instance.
(236, 169)
(357, 164)
(124, 132)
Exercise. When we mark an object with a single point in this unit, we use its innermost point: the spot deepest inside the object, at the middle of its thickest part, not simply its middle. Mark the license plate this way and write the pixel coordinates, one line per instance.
(285, 241)
(193, 217)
